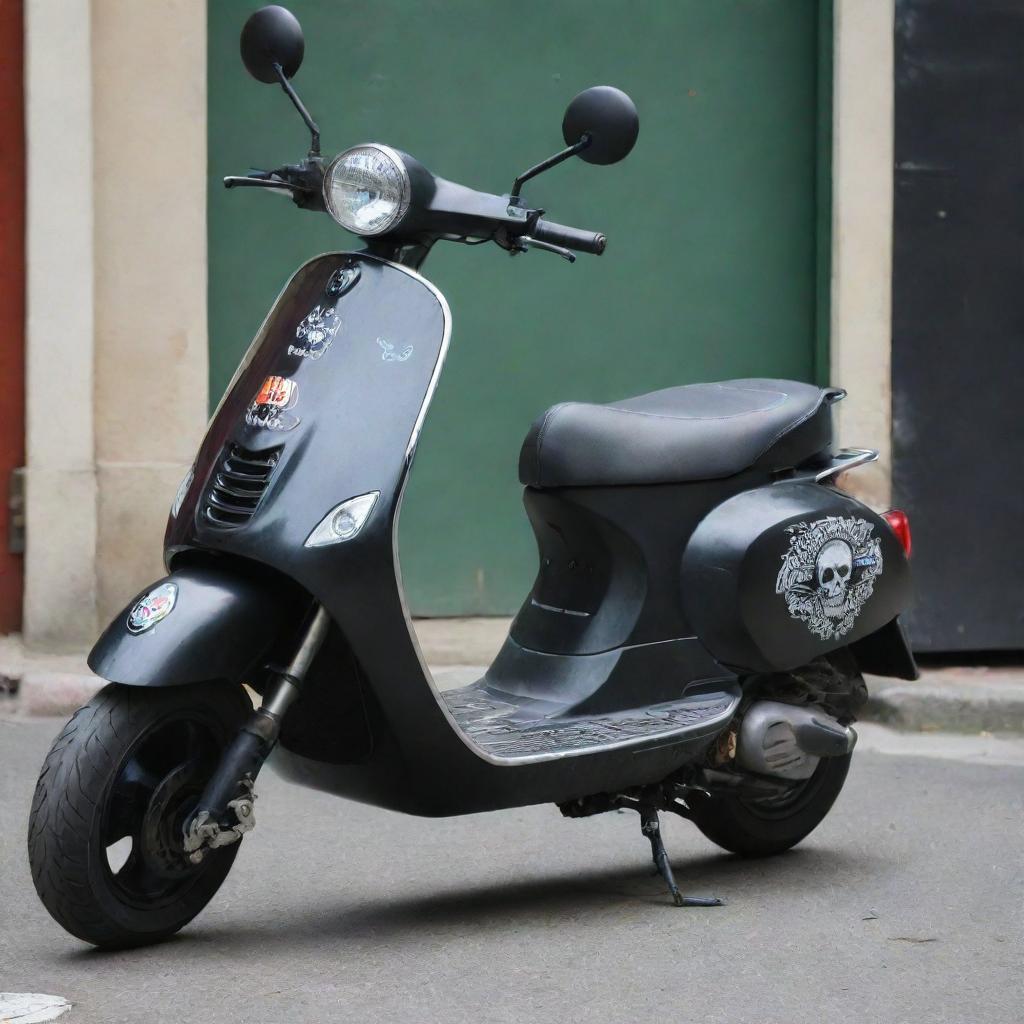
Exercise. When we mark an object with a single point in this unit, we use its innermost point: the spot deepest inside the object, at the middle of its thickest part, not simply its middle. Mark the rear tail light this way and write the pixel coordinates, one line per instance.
(899, 523)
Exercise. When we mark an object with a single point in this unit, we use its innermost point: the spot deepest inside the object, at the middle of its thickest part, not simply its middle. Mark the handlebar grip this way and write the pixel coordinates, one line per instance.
(570, 238)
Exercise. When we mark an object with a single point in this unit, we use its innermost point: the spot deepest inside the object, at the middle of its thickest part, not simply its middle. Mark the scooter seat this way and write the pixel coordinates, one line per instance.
(695, 432)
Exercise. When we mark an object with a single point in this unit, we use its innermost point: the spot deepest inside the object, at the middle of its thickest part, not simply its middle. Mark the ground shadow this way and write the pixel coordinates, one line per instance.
(591, 896)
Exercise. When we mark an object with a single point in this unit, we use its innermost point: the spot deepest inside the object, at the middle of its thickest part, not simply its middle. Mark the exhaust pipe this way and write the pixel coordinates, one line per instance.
(788, 741)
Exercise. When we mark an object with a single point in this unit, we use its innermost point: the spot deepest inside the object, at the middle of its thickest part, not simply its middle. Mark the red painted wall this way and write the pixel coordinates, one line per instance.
(12, 293)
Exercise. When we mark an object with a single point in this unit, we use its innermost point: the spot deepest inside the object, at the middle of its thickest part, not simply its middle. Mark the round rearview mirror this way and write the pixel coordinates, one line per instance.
(609, 117)
(272, 36)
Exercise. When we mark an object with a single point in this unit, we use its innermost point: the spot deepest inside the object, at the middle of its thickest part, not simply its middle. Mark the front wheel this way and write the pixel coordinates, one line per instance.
(105, 832)
(767, 825)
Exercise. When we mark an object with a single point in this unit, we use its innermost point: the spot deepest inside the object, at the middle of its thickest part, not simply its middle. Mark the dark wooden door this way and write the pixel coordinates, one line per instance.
(958, 318)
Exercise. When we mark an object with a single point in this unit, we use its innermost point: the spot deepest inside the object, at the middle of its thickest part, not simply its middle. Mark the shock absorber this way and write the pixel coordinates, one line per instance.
(225, 810)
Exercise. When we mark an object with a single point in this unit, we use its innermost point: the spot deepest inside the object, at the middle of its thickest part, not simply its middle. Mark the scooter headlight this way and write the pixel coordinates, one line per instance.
(344, 521)
(366, 189)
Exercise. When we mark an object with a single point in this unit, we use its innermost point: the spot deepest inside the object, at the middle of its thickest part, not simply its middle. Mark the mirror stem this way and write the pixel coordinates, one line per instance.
(314, 130)
(545, 165)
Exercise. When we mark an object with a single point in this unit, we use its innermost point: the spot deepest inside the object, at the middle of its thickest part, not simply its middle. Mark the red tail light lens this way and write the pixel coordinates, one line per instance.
(899, 523)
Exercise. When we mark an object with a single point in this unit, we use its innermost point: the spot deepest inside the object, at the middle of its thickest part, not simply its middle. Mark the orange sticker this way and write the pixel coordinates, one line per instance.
(276, 391)
(266, 410)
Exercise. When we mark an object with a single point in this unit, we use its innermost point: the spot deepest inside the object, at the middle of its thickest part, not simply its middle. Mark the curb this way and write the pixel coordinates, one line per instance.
(55, 693)
(42, 683)
(36, 684)
(950, 700)
(960, 700)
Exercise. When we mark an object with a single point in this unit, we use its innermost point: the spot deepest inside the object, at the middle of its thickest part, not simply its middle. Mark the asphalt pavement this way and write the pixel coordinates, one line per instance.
(904, 906)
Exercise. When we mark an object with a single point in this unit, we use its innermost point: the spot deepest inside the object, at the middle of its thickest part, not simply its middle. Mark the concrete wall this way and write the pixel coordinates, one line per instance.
(60, 484)
(862, 169)
(116, 332)
(149, 112)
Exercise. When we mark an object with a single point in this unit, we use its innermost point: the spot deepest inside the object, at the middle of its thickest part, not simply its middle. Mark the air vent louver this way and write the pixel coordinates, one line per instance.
(238, 485)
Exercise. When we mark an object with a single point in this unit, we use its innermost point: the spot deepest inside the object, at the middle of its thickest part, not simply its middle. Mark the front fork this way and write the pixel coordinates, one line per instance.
(225, 810)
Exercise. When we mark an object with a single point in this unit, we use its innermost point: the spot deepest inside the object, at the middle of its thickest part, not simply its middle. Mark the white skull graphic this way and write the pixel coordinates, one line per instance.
(316, 332)
(816, 577)
(832, 568)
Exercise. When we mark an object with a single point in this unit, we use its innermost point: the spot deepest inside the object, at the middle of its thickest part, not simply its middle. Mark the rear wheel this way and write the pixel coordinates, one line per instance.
(105, 833)
(767, 825)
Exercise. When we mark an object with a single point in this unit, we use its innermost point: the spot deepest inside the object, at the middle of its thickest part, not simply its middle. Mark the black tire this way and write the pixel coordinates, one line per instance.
(761, 828)
(131, 763)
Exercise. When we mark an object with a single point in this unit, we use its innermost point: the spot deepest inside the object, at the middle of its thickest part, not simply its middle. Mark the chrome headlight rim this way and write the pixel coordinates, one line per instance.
(403, 207)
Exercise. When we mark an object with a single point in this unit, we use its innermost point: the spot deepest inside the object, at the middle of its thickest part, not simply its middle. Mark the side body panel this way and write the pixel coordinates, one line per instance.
(777, 576)
(609, 563)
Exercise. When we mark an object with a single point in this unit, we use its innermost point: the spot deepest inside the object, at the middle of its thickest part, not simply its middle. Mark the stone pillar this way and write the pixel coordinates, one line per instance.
(149, 117)
(862, 178)
(116, 333)
(60, 481)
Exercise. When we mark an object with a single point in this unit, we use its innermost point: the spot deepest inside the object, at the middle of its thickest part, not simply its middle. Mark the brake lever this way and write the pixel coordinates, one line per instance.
(249, 181)
(526, 242)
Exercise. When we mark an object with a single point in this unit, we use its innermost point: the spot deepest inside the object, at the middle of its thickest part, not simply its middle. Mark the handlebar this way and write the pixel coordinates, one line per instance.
(570, 238)
(444, 209)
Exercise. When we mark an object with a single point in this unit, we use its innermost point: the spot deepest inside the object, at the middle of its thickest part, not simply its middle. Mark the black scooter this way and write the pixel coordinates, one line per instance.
(706, 601)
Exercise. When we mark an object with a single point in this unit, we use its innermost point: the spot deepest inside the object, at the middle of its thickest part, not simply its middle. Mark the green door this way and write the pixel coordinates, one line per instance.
(716, 223)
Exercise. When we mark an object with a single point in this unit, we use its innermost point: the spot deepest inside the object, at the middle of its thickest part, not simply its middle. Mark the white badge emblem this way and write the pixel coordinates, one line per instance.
(314, 335)
(152, 608)
(829, 572)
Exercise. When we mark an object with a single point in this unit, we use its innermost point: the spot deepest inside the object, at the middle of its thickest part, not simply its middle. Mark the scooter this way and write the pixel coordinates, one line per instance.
(693, 643)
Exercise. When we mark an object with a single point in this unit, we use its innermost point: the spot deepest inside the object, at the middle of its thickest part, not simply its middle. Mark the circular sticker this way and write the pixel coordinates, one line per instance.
(152, 608)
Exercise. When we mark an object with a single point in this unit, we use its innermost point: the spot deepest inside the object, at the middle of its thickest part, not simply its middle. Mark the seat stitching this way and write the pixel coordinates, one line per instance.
(783, 395)
(545, 423)
(695, 419)
(725, 416)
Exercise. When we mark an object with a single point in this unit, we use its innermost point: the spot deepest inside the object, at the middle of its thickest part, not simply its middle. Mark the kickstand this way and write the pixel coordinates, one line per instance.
(651, 827)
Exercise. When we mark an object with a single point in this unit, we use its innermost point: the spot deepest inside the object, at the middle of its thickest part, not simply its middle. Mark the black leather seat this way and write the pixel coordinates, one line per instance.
(696, 432)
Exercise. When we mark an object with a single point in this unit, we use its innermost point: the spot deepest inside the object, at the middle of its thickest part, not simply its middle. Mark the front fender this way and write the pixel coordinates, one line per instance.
(221, 621)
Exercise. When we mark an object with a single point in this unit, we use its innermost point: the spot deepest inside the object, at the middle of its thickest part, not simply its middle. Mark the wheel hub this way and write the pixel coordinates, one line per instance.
(162, 836)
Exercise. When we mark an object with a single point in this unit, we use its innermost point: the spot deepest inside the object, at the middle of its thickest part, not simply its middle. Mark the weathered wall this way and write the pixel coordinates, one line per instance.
(60, 566)
(116, 293)
(149, 107)
(862, 235)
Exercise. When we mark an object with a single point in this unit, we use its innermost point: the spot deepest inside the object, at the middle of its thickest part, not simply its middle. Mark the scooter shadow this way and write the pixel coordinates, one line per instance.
(582, 897)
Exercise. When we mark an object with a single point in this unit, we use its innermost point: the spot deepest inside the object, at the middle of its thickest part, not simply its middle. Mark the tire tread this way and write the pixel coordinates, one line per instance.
(72, 785)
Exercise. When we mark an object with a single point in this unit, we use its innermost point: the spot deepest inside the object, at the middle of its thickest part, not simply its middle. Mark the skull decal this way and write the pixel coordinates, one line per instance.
(828, 573)
(833, 568)
(315, 333)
